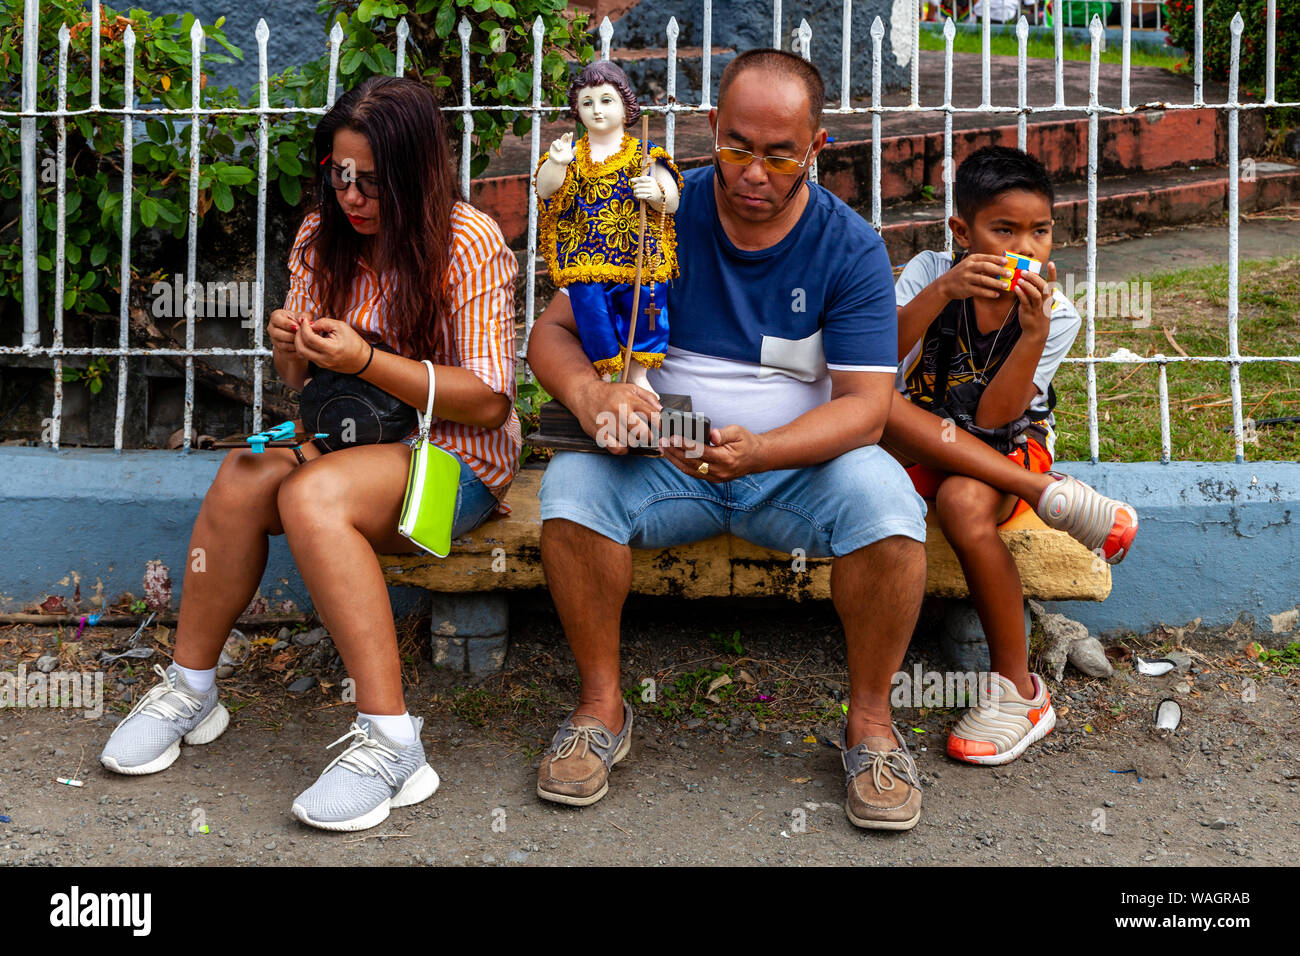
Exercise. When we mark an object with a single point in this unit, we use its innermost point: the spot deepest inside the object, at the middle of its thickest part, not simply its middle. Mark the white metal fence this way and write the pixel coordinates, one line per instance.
(1141, 15)
(130, 111)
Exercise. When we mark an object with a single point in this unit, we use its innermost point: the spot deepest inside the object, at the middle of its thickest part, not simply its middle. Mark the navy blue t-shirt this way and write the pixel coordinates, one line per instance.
(753, 334)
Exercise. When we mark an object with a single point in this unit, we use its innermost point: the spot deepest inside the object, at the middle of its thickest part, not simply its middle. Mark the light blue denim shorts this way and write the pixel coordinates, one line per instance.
(831, 509)
(474, 502)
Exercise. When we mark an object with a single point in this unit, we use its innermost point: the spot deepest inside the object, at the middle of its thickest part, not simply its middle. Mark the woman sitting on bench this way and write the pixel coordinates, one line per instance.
(387, 255)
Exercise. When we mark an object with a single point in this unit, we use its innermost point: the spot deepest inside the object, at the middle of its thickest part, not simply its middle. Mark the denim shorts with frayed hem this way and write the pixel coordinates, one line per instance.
(831, 509)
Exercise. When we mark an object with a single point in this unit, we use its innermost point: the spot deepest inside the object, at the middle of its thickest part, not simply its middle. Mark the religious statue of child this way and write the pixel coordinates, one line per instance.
(588, 194)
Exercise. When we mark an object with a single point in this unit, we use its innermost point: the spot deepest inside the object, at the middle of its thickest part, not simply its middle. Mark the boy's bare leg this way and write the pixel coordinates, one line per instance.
(969, 512)
(925, 438)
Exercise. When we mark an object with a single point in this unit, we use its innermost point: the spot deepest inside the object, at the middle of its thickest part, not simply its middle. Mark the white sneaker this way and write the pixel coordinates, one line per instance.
(998, 730)
(360, 785)
(149, 738)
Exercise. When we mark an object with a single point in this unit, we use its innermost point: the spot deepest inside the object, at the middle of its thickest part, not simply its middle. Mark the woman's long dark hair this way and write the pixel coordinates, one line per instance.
(401, 121)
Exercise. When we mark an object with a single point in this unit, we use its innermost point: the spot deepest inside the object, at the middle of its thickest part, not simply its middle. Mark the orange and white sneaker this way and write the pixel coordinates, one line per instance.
(999, 729)
(1104, 526)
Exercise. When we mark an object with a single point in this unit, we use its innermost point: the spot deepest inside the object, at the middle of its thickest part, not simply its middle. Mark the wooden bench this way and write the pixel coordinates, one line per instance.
(470, 622)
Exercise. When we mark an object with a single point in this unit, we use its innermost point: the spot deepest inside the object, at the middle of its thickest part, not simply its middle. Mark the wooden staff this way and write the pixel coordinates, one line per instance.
(646, 163)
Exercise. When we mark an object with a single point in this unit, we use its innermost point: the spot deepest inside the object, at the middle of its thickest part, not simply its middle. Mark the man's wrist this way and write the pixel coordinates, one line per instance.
(761, 458)
(580, 397)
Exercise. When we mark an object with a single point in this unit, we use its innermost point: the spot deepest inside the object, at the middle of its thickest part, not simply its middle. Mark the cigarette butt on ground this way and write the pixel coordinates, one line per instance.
(68, 782)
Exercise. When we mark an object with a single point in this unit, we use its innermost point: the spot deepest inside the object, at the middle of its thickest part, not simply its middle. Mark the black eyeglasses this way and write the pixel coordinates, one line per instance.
(342, 176)
(776, 164)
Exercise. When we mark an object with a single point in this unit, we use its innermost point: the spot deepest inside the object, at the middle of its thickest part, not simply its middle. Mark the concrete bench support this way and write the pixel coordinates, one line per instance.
(470, 631)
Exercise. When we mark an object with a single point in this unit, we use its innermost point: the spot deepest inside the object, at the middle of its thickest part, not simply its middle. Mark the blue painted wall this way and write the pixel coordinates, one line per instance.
(1215, 541)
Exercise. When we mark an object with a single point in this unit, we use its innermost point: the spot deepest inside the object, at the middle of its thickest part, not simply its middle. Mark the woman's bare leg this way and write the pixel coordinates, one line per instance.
(337, 512)
(228, 548)
(929, 440)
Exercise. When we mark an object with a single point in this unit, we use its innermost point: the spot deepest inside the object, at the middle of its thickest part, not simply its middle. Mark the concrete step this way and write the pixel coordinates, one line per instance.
(1148, 142)
(1126, 204)
(1140, 142)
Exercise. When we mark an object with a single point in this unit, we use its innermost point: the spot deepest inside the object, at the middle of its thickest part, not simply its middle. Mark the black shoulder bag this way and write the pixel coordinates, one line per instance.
(351, 411)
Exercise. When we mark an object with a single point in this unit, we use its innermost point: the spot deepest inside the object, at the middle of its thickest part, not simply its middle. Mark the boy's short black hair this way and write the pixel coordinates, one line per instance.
(991, 171)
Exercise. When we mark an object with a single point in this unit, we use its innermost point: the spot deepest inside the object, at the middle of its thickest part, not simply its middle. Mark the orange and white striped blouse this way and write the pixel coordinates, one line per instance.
(479, 335)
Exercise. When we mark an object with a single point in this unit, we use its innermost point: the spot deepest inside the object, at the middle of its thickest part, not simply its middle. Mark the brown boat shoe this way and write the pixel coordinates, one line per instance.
(576, 767)
(884, 786)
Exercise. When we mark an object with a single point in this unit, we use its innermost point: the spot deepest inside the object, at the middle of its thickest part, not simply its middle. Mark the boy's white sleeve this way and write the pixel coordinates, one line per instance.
(1060, 336)
(924, 268)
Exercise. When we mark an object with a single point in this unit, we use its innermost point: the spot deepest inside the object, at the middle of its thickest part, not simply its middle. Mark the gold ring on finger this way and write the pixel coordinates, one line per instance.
(703, 469)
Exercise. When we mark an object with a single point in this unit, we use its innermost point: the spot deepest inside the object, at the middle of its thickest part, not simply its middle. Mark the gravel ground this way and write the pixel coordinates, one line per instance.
(742, 781)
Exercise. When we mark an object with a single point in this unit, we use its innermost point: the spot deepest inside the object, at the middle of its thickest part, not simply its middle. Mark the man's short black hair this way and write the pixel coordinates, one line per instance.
(988, 172)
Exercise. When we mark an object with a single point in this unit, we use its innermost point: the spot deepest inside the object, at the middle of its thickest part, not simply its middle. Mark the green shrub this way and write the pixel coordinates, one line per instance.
(1180, 22)
(501, 73)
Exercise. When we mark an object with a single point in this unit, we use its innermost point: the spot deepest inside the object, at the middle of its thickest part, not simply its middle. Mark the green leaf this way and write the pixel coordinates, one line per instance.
(69, 300)
(502, 9)
(445, 20)
(168, 211)
(350, 61)
(96, 385)
(43, 262)
(148, 211)
(291, 190)
(98, 253)
(233, 175)
(222, 198)
(289, 164)
(73, 253)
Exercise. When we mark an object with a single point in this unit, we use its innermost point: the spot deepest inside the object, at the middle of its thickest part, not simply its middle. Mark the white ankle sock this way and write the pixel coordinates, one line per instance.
(399, 728)
(200, 681)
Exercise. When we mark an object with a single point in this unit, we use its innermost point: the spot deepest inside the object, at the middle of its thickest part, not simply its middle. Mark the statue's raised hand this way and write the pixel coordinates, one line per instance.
(561, 150)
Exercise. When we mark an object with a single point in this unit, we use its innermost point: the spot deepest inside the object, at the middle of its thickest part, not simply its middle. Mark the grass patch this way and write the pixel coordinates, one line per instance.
(1191, 306)
(1003, 42)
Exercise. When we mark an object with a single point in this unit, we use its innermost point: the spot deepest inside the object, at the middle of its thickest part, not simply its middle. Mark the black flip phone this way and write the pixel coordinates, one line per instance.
(689, 425)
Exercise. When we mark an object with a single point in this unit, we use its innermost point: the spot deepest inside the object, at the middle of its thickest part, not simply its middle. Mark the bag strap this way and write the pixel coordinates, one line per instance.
(426, 419)
(948, 320)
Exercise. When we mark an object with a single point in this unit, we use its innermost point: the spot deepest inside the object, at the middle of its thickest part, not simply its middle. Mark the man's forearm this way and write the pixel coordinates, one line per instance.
(824, 432)
(559, 364)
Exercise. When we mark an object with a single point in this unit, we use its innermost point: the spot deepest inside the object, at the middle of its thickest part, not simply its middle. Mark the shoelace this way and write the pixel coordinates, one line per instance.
(895, 760)
(591, 738)
(154, 704)
(363, 755)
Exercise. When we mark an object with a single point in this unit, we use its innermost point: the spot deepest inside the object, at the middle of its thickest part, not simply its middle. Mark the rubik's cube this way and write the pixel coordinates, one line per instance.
(1020, 264)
